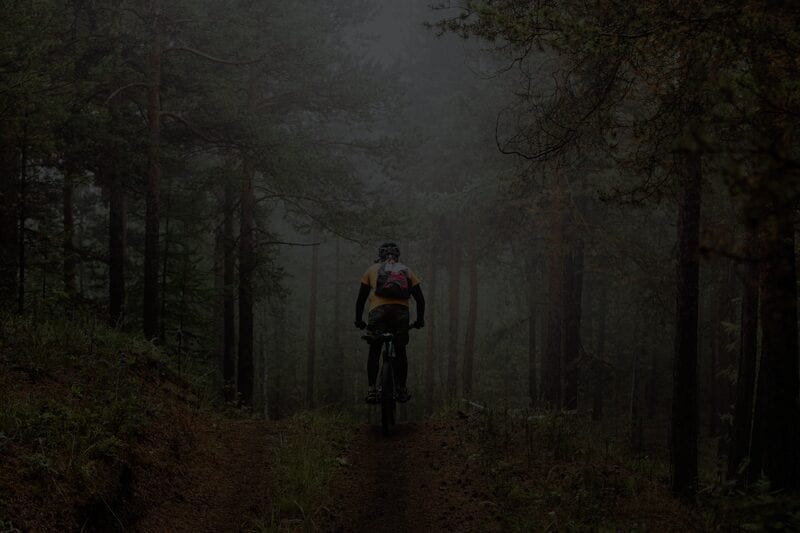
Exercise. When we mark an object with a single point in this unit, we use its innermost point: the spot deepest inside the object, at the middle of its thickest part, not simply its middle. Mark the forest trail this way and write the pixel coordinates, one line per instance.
(418, 479)
(221, 482)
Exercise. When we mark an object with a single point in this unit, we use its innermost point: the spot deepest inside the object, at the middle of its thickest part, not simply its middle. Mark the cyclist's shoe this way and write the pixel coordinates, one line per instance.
(402, 395)
(372, 396)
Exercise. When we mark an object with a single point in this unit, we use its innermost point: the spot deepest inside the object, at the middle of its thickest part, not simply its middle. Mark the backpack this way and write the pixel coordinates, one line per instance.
(393, 281)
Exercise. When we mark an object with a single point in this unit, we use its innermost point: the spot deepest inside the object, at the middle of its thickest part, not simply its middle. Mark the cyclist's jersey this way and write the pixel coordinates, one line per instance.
(370, 278)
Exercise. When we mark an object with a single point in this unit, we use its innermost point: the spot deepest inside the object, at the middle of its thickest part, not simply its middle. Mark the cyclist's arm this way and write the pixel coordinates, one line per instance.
(363, 294)
(416, 293)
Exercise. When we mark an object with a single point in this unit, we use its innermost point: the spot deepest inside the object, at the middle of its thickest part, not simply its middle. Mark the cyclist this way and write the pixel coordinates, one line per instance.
(389, 284)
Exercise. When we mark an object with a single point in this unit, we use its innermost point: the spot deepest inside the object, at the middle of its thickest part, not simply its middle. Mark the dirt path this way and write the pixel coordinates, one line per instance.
(419, 479)
(220, 484)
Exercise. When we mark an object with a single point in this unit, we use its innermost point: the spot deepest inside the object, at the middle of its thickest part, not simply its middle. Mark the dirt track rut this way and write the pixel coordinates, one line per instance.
(419, 479)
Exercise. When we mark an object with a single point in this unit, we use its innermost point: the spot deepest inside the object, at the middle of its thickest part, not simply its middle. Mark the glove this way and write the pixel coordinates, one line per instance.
(360, 324)
(418, 324)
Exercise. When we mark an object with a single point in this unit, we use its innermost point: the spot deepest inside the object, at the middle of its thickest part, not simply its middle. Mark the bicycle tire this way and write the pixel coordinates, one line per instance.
(388, 410)
(388, 405)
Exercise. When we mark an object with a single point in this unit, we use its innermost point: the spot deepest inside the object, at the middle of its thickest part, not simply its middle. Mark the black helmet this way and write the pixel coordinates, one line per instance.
(387, 250)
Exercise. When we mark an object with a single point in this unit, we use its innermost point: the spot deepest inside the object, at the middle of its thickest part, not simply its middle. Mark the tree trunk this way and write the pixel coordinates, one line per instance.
(573, 282)
(312, 325)
(739, 452)
(779, 352)
(430, 324)
(247, 258)
(683, 443)
(636, 434)
(338, 352)
(9, 174)
(533, 391)
(68, 245)
(153, 182)
(472, 322)
(551, 362)
(162, 315)
(246, 270)
(117, 250)
(228, 293)
(23, 217)
(598, 385)
(455, 311)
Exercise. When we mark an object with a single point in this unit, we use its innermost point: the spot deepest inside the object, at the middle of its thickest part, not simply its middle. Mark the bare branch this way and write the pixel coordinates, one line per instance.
(123, 88)
(209, 57)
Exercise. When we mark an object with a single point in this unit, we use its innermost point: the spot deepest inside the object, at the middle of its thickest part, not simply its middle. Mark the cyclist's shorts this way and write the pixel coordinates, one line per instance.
(391, 318)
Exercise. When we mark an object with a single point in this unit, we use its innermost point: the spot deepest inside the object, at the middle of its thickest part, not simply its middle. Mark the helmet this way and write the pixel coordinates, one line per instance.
(387, 250)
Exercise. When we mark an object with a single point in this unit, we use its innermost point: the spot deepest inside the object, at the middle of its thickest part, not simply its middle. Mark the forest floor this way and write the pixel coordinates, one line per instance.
(99, 433)
(420, 478)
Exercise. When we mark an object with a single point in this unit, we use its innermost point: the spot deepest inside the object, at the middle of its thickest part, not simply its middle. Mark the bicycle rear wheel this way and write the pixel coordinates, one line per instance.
(388, 412)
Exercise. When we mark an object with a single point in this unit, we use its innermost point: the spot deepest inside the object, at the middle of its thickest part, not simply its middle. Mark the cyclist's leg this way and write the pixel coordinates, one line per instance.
(400, 321)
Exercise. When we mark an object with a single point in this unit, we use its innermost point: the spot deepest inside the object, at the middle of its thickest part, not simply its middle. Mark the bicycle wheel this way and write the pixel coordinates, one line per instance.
(388, 406)
(388, 409)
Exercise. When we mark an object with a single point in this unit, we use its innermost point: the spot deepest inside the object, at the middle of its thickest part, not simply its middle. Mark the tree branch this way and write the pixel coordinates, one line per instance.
(209, 57)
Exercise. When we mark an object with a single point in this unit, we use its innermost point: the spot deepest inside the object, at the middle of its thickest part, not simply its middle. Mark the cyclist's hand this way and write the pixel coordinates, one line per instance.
(360, 324)
(419, 324)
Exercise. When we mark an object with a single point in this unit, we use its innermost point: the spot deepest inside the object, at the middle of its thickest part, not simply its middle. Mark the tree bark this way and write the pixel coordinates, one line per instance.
(472, 323)
(22, 210)
(247, 258)
(9, 230)
(779, 351)
(455, 311)
(228, 292)
(573, 282)
(551, 362)
(533, 391)
(338, 352)
(430, 324)
(636, 430)
(598, 385)
(153, 182)
(68, 245)
(246, 270)
(311, 353)
(739, 452)
(117, 249)
(683, 443)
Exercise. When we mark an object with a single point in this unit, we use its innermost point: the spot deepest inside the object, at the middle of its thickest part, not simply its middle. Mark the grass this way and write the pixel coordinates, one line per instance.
(555, 471)
(75, 396)
(307, 453)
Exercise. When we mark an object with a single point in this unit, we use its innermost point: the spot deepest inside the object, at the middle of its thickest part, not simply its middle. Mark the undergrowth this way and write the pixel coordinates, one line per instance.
(74, 397)
(556, 471)
(307, 452)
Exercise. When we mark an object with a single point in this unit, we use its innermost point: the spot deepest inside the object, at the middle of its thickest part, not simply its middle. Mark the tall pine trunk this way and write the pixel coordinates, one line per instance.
(68, 245)
(454, 311)
(551, 361)
(311, 353)
(338, 352)
(153, 182)
(430, 324)
(471, 326)
(117, 249)
(247, 260)
(533, 391)
(573, 282)
(8, 220)
(739, 452)
(599, 378)
(683, 442)
(779, 351)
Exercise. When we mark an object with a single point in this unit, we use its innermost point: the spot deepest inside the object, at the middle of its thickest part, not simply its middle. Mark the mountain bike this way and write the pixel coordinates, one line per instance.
(386, 387)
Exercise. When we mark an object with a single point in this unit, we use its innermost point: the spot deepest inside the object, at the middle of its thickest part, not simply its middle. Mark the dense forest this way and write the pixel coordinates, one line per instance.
(599, 199)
